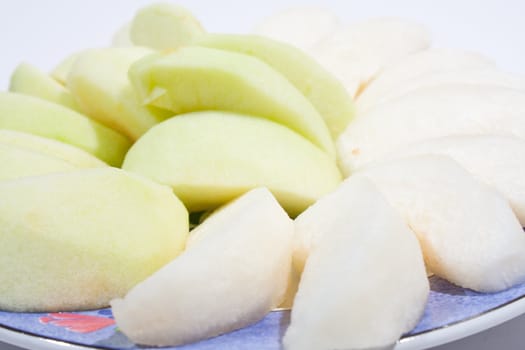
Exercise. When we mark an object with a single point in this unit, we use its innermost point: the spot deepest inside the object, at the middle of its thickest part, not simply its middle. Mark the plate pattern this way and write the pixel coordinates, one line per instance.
(447, 305)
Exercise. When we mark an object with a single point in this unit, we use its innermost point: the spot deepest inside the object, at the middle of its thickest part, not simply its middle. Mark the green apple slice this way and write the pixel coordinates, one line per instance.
(210, 158)
(498, 161)
(322, 89)
(364, 278)
(426, 113)
(36, 116)
(467, 230)
(99, 81)
(164, 26)
(18, 162)
(61, 71)
(196, 78)
(76, 240)
(29, 80)
(232, 274)
(45, 146)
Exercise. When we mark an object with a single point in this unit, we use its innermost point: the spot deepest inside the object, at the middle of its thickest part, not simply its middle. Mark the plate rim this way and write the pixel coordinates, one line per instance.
(446, 334)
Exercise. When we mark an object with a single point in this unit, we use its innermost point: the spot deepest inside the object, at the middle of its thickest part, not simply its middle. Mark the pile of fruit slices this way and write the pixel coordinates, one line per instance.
(104, 158)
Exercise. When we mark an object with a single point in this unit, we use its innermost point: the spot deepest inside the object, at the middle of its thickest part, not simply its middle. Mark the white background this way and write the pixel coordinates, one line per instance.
(42, 32)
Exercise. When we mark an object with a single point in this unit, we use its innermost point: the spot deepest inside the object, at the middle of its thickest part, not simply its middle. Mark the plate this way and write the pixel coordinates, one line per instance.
(451, 313)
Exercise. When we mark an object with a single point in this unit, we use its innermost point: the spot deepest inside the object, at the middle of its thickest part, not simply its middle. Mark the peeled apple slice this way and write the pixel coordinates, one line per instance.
(49, 147)
(467, 230)
(355, 54)
(476, 77)
(36, 116)
(76, 240)
(209, 158)
(426, 113)
(232, 275)
(359, 251)
(432, 61)
(18, 162)
(121, 38)
(303, 27)
(498, 161)
(99, 81)
(164, 26)
(196, 78)
(321, 88)
(29, 80)
(61, 71)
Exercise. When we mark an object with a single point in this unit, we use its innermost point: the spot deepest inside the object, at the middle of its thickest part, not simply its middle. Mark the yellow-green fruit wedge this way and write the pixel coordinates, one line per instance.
(60, 72)
(210, 158)
(49, 147)
(29, 80)
(322, 89)
(75, 240)
(99, 81)
(196, 78)
(36, 116)
(164, 26)
(18, 162)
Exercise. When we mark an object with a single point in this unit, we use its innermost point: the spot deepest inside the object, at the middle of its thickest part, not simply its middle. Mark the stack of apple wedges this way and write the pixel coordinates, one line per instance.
(328, 165)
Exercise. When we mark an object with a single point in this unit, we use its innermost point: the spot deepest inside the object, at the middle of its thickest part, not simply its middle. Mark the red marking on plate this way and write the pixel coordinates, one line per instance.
(77, 322)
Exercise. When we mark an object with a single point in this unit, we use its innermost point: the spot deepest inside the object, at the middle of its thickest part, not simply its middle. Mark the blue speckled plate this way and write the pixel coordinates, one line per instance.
(451, 313)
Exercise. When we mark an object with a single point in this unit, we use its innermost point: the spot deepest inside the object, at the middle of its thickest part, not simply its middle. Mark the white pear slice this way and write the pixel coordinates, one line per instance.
(231, 276)
(467, 230)
(164, 26)
(302, 27)
(73, 155)
(356, 53)
(18, 162)
(478, 77)
(99, 82)
(78, 239)
(29, 80)
(432, 61)
(364, 283)
(426, 113)
(498, 161)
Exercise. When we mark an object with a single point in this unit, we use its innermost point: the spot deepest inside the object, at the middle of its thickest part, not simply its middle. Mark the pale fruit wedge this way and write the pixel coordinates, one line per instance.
(321, 88)
(432, 61)
(45, 146)
(61, 71)
(498, 161)
(426, 113)
(467, 230)
(230, 277)
(122, 38)
(18, 162)
(164, 26)
(477, 77)
(36, 116)
(356, 53)
(364, 283)
(197, 78)
(99, 81)
(29, 80)
(303, 27)
(76, 240)
(210, 158)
